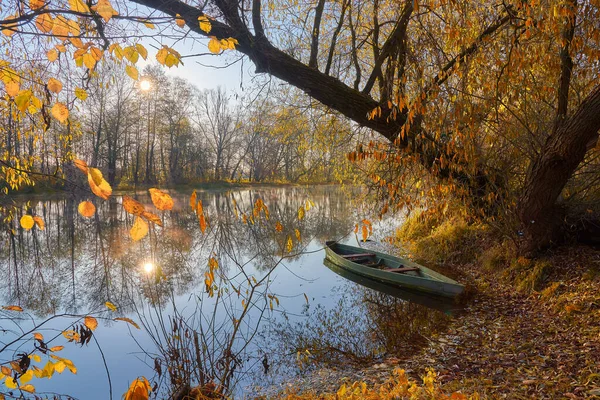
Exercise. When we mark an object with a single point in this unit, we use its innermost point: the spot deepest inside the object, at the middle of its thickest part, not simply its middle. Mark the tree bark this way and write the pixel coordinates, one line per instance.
(563, 151)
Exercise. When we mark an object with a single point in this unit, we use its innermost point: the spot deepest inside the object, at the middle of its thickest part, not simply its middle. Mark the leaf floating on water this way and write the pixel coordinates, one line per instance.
(129, 321)
(86, 209)
(161, 200)
(90, 322)
(139, 229)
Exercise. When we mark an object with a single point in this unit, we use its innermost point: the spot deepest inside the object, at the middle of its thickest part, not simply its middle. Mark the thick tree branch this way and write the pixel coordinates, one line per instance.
(314, 46)
(391, 45)
(259, 31)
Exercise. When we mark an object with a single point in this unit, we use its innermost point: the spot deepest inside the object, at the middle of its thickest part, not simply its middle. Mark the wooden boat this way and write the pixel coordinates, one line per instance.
(391, 270)
(445, 304)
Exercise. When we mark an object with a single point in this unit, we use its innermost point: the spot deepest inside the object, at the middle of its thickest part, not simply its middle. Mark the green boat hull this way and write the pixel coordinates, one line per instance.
(421, 278)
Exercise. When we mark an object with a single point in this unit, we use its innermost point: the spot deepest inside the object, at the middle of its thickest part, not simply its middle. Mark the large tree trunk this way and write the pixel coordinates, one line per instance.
(539, 214)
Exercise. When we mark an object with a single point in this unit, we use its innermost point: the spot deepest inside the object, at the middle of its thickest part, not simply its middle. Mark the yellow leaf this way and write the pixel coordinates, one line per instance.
(139, 229)
(60, 112)
(39, 222)
(86, 209)
(36, 358)
(26, 377)
(342, 391)
(179, 21)
(79, 6)
(99, 186)
(161, 200)
(96, 53)
(75, 41)
(214, 45)
(38, 336)
(56, 348)
(142, 51)
(23, 99)
(28, 388)
(88, 60)
(138, 390)
(81, 94)
(54, 85)
(132, 72)
(301, 213)
(60, 367)
(52, 55)
(27, 222)
(105, 9)
(131, 54)
(90, 322)
(289, 245)
(44, 23)
(129, 321)
(10, 382)
(12, 88)
(81, 165)
(204, 23)
(149, 25)
(110, 306)
(60, 27)
(133, 206)
(297, 232)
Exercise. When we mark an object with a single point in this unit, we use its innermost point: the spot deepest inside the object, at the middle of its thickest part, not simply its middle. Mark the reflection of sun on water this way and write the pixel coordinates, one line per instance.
(148, 267)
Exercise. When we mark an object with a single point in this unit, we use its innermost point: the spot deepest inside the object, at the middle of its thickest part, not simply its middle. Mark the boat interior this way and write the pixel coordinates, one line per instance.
(371, 260)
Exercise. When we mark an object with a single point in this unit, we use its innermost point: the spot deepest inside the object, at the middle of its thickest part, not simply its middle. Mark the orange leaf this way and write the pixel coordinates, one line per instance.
(56, 348)
(12, 308)
(99, 186)
(86, 209)
(133, 206)
(90, 322)
(60, 112)
(193, 201)
(129, 321)
(38, 336)
(138, 390)
(161, 200)
(82, 165)
(152, 218)
(39, 222)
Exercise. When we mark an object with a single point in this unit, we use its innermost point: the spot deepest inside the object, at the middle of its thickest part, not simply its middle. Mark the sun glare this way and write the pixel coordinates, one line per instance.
(148, 267)
(145, 85)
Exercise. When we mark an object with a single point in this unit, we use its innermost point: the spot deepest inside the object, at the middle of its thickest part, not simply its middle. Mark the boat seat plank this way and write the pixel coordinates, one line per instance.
(358, 255)
(403, 269)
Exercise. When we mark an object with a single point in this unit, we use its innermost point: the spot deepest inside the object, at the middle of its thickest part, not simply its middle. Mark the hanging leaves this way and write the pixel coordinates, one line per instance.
(161, 200)
(193, 201)
(289, 245)
(179, 21)
(110, 306)
(168, 57)
(105, 9)
(278, 227)
(86, 209)
(214, 45)
(39, 222)
(132, 72)
(81, 94)
(139, 230)
(301, 213)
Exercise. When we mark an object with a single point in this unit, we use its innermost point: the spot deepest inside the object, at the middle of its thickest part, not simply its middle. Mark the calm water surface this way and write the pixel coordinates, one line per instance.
(270, 309)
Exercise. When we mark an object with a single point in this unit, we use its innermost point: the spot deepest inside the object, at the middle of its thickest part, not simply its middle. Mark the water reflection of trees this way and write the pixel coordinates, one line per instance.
(78, 263)
(365, 326)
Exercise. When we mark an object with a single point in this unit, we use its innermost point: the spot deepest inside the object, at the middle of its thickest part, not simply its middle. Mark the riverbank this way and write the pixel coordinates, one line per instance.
(507, 344)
